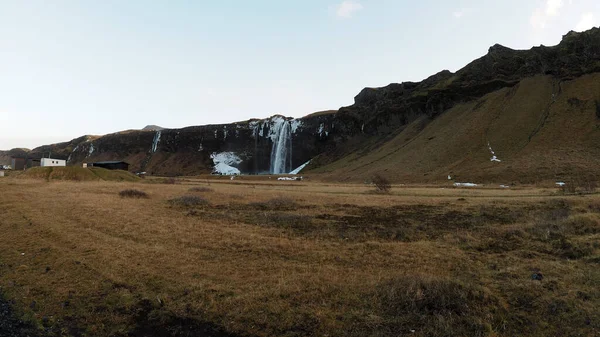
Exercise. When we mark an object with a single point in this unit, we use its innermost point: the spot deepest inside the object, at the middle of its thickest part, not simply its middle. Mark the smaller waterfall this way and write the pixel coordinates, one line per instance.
(91, 150)
(281, 152)
(155, 141)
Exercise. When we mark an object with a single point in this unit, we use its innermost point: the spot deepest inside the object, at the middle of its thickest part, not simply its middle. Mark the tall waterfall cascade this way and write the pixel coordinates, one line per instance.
(155, 141)
(281, 152)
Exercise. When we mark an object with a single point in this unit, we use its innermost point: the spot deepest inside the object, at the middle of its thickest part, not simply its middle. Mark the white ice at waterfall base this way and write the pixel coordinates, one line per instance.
(223, 163)
(465, 185)
(300, 168)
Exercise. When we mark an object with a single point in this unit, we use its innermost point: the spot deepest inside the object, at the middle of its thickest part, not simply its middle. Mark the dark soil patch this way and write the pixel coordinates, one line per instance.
(11, 325)
(153, 321)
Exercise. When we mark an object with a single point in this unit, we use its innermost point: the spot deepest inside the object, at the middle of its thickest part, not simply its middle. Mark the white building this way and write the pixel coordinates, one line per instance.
(53, 162)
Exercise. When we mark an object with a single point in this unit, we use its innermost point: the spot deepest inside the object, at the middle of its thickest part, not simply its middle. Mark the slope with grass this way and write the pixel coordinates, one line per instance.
(74, 173)
(540, 129)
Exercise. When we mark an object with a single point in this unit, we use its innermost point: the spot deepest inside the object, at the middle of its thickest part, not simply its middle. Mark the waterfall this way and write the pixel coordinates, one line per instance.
(281, 152)
(155, 141)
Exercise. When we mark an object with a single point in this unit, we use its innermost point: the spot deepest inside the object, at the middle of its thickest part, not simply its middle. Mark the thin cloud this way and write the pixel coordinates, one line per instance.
(586, 22)
(553, 7)
(541, 16)
(348, 8)
(460, 13)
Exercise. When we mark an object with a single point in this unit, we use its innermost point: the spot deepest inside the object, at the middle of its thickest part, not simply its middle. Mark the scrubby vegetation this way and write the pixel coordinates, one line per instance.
(580, 185)
(188, 201)
(258, 260)
(201, 189)
(170, 181)
(381, 183)
(133, 193)
(75, 173)
(281, 203)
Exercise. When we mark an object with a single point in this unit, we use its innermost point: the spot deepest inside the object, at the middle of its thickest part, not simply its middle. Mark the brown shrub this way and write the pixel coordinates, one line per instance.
(382, 184)
(188, 201)
(170, 181)
(132, 193)
(280, 203)
(434, 307)
(584, 186)
(200, 189)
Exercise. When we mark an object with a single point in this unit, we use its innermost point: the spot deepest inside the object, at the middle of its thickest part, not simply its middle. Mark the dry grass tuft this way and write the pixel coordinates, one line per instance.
(280, 203)
(435, 306)
(201, 189)
(580, 186)
(302, 260)
(382, 184)
(133, 193)
(188, 201)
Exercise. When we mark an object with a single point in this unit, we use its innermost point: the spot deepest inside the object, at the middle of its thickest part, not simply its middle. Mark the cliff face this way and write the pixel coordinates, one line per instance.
(378, 116)
(379, 110)
(248, 146)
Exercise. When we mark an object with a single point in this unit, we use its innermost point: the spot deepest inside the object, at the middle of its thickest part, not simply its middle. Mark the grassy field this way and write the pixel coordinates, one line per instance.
(205, 257)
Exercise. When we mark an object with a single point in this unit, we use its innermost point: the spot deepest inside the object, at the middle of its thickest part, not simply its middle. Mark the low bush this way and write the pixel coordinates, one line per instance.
(582, 186)
(285, 220)
(280, 203)
(188, 201)
(170, 181)
(132, 193)
(434, 307)
(382, 184)
(200, 189)
(572, 250)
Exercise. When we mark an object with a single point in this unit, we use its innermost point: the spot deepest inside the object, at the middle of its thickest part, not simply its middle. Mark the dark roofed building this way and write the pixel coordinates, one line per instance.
(21, 163)
(111, 165)
(18, 163)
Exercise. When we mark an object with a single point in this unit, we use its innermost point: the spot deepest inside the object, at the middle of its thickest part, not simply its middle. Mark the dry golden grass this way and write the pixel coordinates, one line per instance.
(272, 258)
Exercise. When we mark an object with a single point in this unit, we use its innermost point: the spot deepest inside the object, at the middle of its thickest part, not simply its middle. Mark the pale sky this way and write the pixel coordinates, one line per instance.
(75, 67)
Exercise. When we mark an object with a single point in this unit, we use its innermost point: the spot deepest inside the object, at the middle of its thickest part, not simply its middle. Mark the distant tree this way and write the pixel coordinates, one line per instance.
(382, 184)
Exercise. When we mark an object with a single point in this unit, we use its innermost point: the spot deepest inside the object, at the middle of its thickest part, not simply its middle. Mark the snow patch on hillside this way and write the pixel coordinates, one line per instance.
(91, 150)
(273, 125)
(277, 124)
(223, 163)
(296, 123)
(300, 168)
(494, 158)
(71, 155)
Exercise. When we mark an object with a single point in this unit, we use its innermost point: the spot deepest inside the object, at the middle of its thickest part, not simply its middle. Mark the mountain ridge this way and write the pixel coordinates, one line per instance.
(378, 116)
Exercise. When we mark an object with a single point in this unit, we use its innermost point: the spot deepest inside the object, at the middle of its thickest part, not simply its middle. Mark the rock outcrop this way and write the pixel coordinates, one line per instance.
(377, 115)
(192, 150)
